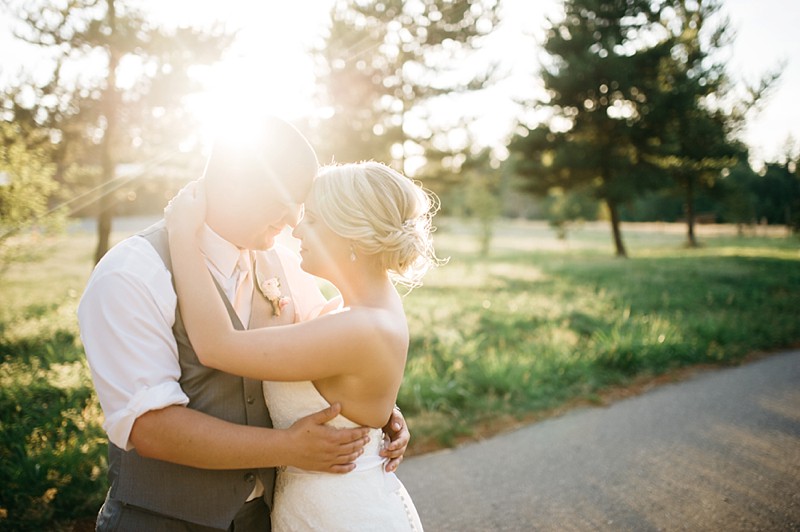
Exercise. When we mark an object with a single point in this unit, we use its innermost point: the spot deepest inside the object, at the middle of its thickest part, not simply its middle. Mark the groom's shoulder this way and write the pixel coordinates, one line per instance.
(133, 256)
(131, 271)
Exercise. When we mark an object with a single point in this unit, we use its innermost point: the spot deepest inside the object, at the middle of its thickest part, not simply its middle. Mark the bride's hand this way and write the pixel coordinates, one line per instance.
(186, 212)
(396, 438)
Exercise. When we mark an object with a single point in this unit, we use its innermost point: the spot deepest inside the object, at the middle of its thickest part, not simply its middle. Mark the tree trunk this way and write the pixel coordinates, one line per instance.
(103, 229)
(691, 240)
(107, 163)
(615, 230)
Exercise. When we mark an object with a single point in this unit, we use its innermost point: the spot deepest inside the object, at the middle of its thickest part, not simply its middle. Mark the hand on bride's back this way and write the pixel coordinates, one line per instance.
(186, 212)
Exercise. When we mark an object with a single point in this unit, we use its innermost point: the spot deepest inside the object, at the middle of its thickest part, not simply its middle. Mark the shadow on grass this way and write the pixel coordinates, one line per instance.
(52, 449)
(52, 347)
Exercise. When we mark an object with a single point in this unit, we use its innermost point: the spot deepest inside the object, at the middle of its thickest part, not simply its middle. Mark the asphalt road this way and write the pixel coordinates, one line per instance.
(719, 451)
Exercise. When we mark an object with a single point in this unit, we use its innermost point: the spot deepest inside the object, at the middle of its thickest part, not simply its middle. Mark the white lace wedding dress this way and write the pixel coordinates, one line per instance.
(367, 499)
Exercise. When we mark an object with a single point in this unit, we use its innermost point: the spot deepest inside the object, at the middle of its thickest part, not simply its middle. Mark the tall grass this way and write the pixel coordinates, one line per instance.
(536, 324)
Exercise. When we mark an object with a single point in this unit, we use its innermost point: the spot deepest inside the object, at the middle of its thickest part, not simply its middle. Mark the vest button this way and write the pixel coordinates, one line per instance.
(250, 477)
(250, 400)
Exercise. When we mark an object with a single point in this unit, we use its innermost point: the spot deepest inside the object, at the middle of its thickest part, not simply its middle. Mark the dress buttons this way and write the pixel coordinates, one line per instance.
(250, 477)
(250, 400)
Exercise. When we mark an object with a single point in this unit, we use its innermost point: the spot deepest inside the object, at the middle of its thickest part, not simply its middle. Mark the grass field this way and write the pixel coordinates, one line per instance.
(538, 324)
(542, 322)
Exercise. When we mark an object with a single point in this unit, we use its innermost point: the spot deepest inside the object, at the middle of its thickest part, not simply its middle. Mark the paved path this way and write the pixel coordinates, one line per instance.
(720, 451)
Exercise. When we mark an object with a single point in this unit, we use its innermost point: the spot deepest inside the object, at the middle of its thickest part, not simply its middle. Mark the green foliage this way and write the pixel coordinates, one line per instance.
(564, 209)
(777, 194)
(689, 135)
(629, 114)
(26, 187)
(52, 448)
(596, 79)
(95, 122)
(483, 188)
(383, 59)
(769, 197)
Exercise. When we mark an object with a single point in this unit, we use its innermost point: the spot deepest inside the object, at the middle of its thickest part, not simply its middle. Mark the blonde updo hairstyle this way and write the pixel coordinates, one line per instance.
(383, 213)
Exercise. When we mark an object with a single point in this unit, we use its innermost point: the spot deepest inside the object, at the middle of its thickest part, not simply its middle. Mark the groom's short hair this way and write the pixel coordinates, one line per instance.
(269, 148)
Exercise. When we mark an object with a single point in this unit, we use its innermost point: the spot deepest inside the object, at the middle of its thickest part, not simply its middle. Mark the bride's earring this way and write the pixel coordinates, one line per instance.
(353, 257)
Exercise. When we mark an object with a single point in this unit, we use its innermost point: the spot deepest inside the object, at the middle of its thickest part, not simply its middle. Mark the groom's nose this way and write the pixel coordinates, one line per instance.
(299, 231)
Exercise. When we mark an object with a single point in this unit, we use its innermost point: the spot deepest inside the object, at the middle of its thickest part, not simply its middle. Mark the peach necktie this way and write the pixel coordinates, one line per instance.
(244, 287)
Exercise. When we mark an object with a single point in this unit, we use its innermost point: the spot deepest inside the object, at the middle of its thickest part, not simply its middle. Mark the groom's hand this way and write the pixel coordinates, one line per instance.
(318, 447)
(396, 431)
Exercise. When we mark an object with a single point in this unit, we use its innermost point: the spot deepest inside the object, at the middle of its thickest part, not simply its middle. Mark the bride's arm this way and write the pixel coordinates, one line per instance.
(324, 347)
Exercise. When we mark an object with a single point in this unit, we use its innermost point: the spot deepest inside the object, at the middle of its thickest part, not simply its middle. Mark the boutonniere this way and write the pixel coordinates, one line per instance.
(271, 288)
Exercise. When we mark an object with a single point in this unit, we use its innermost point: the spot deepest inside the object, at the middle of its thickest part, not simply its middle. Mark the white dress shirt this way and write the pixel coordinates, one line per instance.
(126, 316)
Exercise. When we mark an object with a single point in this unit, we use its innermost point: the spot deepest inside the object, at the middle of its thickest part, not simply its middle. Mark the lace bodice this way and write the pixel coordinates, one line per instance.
(290, 401)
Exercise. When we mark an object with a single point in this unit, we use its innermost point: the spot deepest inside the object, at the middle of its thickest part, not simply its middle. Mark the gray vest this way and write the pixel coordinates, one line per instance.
(203, 496)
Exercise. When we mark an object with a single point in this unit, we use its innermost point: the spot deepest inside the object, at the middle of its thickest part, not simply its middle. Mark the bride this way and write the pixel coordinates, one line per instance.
(365, 228)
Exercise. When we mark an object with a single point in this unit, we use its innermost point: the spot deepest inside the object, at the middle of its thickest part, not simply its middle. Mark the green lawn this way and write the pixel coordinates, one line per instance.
(537, 324)
(540, 321)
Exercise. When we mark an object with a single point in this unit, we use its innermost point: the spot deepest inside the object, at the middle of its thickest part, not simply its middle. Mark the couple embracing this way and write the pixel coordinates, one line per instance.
(236, 397)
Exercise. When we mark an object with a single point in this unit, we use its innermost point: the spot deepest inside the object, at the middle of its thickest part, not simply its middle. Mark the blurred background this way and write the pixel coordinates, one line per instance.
(685, 102)
(560, 135)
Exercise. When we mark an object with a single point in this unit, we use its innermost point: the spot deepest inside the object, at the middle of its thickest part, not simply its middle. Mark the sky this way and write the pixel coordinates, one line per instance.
(270, 62)
(768, 37)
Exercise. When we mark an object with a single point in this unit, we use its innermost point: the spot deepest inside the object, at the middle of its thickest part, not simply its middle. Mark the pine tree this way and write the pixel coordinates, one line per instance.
(600, 57)
(690, 136)
(383, 59)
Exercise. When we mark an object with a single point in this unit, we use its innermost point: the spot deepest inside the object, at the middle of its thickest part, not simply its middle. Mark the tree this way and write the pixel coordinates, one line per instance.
(691, 135)
(739, 201)
(595, 78)
(778, 193)
(381, 60)
(95, 119)
(482, 179)
(565, 209)
(26, 186)
(771, 196)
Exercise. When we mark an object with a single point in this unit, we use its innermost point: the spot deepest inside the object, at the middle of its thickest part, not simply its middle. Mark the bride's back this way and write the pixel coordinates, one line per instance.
(369, 392)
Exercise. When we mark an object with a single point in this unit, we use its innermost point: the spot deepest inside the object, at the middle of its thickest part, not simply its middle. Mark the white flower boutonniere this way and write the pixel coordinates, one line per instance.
(271, 288)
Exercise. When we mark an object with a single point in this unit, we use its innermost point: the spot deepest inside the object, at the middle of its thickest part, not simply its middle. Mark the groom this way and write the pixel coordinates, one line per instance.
(191, 448)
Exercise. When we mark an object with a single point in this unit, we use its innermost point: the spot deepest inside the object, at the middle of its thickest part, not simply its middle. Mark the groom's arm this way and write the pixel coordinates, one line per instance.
(185, 436)
(126, 316)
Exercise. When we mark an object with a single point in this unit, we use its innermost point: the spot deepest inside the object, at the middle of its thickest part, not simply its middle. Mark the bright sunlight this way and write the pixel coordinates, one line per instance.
(267, 70)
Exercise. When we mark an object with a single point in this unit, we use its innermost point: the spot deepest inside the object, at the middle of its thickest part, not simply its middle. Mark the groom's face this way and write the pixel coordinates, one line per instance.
(266, 208)
(256, 185)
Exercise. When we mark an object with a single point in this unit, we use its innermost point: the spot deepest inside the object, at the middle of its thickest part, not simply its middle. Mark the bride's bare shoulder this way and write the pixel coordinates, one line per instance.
(370, 320)
(382, 324)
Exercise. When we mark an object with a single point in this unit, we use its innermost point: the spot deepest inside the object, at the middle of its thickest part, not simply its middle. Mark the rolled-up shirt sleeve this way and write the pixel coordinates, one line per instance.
(126, 316)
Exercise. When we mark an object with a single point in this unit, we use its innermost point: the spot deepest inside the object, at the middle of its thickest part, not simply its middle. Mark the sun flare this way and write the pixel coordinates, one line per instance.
(239, 89)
